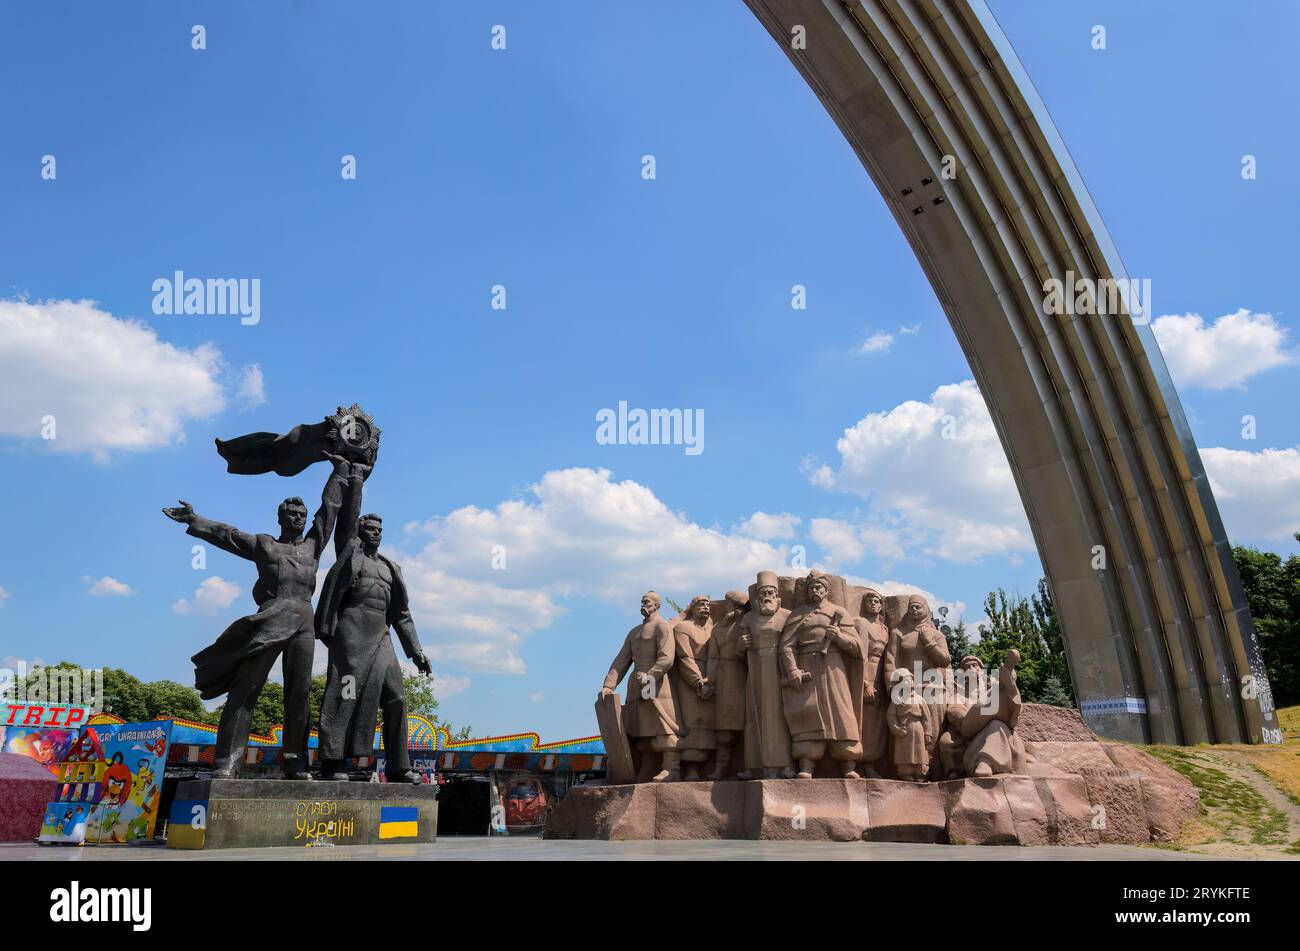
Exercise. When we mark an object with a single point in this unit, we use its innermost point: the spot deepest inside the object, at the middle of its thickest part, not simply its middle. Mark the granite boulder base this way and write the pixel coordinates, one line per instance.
(1080, 791)
(258, 813)
(25, 788)
(1001, 810)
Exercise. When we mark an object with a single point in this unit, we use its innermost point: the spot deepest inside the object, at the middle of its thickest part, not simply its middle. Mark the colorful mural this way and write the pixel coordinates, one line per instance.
(112, 785)
(192, 743)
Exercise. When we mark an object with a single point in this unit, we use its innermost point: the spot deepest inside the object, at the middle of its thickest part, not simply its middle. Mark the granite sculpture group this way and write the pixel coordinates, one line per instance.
(800, 685)
(362, 597)
(844, 710)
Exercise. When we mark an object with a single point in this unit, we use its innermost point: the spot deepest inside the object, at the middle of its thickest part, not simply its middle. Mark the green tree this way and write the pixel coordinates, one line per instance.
(167, 698)
(959, 643)
(133, 700)
(1272, 587)
(1030, 626)
(420, 699)
(1053, 692)
(317, 695)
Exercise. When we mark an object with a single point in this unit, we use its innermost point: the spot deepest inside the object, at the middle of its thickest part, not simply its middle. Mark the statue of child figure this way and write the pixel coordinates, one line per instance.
(907, 722)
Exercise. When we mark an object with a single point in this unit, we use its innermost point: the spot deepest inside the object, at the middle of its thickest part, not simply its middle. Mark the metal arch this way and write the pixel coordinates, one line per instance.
(1160, 640)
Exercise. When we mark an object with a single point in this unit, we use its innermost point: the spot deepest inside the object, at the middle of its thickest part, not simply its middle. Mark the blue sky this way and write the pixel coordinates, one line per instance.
(522, 167)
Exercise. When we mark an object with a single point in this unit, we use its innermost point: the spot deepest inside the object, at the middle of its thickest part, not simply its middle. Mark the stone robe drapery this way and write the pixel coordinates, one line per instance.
(921, 643)
(875, 697)
(724, 665)
(828, 706)
(694, 713)
(910, 717)
(648, 648)
(767, 738)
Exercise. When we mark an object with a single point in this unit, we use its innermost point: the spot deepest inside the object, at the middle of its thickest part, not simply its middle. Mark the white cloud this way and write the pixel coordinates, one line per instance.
(107, 587)
(4, 596)
(109, 384)
(878, 342)
(955, 608)
(445, 686)
(212, 595)
(1222, 355)
(537, 696)
(845, 542)
(952, 498)
(251, 390)
(910, 329)
(767, 527)
(578, 533)
(1258, 492)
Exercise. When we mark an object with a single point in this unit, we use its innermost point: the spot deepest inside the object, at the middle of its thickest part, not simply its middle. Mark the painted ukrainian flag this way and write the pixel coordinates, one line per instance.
(399, 822)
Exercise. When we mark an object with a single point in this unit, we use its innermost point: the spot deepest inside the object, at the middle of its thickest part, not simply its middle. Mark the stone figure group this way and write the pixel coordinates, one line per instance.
(362, 597)
(764, 689)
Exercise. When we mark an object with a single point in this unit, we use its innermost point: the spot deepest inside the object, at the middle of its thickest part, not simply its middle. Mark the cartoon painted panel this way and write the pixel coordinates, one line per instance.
(65, 822)
(136, 756)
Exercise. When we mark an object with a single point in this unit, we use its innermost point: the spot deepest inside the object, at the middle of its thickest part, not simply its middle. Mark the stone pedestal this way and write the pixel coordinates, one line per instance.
(256, 813)
(1002, 810)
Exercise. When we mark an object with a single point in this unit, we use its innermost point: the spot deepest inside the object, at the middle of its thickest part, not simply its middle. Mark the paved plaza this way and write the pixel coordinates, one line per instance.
(538, 850)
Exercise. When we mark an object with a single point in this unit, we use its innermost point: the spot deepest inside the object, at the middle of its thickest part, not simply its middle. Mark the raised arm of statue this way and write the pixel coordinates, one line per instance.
(331, 501)
(226, 537)
(350, 512)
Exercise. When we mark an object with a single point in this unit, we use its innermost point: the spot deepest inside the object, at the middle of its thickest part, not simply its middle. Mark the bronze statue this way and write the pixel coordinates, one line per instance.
(767, 738)
(820, 655)
(724, 668)
(238, 663)
(692, 690)
(649, 716)
(364, 594)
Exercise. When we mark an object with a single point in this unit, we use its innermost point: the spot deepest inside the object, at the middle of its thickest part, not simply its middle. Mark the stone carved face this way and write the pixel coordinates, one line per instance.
(700, 611)
(816, 592)
(873, 605)
(649, 604)
(916, 611)
(371, 531)
(769, 600)
(293, 517)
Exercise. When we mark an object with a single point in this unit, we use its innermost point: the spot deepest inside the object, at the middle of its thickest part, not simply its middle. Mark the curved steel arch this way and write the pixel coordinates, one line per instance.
(1160, 640)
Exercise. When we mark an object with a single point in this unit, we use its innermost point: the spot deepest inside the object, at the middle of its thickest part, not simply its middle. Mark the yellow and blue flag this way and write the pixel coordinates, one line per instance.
(399, 822)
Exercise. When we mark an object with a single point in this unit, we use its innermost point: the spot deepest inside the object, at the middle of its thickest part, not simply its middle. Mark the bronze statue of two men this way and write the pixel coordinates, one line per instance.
(363, 595)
